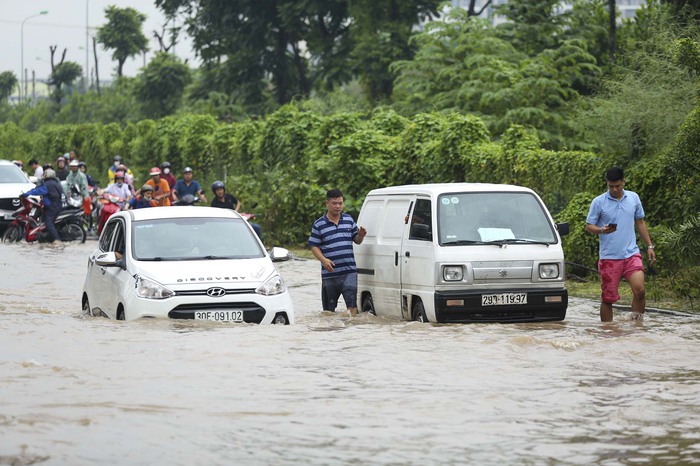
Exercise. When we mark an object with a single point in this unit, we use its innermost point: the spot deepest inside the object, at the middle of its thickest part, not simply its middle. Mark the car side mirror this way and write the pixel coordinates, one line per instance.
(109, 259)
(563, 228)
(280, 254)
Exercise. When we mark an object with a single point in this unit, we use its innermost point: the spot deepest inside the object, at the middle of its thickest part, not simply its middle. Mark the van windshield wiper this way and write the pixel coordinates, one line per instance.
(517, 241)
(460, 242)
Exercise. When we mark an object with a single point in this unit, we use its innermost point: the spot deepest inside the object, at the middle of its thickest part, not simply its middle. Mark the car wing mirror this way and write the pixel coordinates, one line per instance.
(280, 254)
(563, 228)
(420, 231)
(109, 259)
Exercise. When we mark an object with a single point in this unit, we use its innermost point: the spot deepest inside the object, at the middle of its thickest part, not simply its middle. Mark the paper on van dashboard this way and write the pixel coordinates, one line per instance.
(495, 234)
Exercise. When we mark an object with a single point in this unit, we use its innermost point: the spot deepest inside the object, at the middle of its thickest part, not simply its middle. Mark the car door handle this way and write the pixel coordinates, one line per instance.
(104, 270)
(408, 253)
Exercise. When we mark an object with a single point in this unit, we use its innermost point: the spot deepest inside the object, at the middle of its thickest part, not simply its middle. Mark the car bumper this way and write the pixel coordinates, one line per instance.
(258, 309)
(466, 307)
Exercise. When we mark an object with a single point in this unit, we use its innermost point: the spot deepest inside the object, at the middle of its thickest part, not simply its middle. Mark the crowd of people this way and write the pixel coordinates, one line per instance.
(160, 190)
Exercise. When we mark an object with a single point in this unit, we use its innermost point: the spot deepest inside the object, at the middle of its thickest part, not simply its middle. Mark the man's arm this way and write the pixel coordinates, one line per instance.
(327, 263)
(644, 233)
(596, 230)
(360, 236)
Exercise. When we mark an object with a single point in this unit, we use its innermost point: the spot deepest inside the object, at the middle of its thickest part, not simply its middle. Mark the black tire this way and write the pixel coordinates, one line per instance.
(13, 234)
(120, 313)
(86, 306)
(281, 319)
(73, 232)
(368, 305)
(419, 312)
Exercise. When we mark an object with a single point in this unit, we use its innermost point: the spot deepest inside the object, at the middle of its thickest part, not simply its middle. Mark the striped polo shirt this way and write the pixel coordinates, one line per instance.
(335, 242)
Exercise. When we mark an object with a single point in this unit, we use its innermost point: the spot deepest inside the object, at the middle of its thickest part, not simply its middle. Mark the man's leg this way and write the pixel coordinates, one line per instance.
(350, 292)
(49, 219)
(610, 276)
(606, 312)
(636, 281)
(330, 292)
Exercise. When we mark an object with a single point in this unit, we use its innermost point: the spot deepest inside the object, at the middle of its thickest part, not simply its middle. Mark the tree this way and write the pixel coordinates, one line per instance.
(123, 34)
(8, 81)
(64, 74)
(160, 86)
(381, 30)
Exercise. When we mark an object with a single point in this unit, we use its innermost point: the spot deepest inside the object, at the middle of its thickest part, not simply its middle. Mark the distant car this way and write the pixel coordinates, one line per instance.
(185, 262)
(13, 182)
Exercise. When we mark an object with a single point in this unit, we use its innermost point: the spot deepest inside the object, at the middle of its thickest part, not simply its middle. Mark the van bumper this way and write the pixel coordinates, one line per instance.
(469, 308)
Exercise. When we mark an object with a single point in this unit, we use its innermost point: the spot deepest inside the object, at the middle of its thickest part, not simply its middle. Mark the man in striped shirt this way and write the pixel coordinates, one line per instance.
(331, 243)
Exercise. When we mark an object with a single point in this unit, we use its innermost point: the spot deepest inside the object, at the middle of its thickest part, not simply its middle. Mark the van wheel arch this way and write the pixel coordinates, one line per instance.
(419, 311)
(368, 303)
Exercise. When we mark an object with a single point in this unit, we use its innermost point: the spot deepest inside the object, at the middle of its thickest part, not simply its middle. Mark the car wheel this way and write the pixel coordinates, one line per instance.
(121, 315)
(73, 232)
(419, 312)
(86, 307)
(280, 319)
(12, 234)
(368, 305)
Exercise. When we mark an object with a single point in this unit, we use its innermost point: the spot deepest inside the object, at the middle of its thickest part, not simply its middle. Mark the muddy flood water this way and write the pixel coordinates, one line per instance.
(331, 389)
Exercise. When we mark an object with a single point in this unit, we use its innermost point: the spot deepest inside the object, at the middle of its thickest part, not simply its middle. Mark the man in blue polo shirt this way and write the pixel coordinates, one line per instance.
(331, 243)
(613, 216)
(186, 185)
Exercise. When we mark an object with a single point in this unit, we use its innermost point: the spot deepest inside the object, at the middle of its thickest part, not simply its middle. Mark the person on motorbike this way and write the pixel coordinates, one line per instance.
(82, 166)
(161, 188)
(61, 169)
(120, 189)
(187, 185)
(128, 178)
(78, 178)
(166, 174)
(224, 200)
(54, 197)
(145, 199)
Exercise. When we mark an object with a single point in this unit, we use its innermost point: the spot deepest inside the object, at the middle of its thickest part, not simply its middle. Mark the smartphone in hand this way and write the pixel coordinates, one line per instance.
(613, 226)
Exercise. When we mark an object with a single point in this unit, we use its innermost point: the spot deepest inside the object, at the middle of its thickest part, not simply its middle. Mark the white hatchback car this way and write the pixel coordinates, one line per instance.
(200, 263)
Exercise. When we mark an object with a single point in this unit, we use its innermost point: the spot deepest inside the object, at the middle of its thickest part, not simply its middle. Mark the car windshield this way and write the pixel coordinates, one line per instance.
(193, 238)
(12, 174)
(493, 217)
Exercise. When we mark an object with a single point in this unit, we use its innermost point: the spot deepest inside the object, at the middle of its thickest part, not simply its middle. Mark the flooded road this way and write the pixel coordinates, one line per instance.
(78, 390)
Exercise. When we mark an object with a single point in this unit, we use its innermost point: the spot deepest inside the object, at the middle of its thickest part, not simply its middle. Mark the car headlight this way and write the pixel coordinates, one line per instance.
(549, 271)
(147, 288)
(272, 286)
(452, 273)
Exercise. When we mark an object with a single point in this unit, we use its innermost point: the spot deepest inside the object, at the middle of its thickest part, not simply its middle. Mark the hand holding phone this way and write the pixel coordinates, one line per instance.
(612, 227)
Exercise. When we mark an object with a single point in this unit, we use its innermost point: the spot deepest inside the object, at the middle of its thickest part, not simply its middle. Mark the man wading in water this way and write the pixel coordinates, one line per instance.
(613, 216)
(331, 243)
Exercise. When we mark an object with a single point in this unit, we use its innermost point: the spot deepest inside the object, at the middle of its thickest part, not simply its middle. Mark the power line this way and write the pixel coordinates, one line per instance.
(53, 25)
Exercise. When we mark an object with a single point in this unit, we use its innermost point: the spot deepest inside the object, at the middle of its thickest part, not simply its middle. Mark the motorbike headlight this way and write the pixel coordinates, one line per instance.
(272, 286)
(452, 273)
(149, 289)
(548, 271)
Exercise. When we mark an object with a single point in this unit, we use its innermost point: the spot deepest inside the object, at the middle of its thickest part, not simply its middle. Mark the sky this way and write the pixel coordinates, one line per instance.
(65, 25)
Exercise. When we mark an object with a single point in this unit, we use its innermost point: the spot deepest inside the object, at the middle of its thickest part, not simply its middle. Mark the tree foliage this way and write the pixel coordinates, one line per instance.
(161, 85)
(64, 74)
(122, 34)
(8, 81)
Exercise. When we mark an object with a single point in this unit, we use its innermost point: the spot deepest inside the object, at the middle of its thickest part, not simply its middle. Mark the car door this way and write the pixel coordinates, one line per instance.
(115, 278)
(97, 282)
(417, 257)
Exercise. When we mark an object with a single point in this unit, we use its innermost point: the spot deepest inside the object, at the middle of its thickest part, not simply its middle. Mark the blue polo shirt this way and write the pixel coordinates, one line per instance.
(183, 190)
(335, 242)
(604, 210)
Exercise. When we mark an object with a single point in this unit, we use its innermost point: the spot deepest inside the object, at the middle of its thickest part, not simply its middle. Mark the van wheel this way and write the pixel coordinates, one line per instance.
(419, 312)
(368, 305)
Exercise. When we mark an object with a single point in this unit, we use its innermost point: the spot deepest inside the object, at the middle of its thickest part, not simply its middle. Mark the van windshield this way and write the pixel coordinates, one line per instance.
(193, 238)
(493, 217)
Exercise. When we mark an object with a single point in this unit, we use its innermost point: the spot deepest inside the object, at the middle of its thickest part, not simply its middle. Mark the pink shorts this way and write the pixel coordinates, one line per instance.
(612, 271)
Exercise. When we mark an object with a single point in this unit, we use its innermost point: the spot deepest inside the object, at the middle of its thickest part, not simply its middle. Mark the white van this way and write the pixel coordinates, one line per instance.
(461, 252)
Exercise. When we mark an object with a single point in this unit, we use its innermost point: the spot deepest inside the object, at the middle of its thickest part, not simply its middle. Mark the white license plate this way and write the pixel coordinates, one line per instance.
(219, 316)
(503, 299)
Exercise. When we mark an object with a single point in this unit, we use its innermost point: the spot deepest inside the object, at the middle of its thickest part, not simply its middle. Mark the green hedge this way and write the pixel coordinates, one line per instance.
(288, 160)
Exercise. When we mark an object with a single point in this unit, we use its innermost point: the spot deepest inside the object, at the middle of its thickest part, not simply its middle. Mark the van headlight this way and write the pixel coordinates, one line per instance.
(272, 286)
(452, 273)
(548, 271)
(150, 289)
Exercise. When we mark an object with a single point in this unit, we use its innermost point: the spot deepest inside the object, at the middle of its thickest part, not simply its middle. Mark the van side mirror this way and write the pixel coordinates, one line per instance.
(563, 228)
(420, 231)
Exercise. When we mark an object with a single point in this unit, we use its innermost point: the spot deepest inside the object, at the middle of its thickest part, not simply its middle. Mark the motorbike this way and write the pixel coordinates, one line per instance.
(187, 199)
(28, 224)
(111, 204)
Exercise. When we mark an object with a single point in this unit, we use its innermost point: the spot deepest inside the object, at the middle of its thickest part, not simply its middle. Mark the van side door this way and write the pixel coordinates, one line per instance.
(417, 258)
